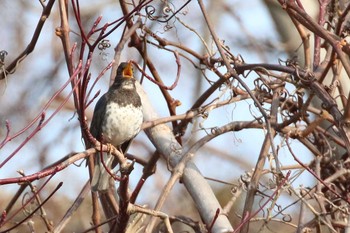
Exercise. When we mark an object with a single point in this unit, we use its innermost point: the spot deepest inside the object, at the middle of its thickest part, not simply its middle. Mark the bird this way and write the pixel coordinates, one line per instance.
(117, 119)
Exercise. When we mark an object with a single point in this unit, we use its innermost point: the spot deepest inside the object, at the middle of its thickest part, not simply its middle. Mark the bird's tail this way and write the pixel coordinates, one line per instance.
(101, 177)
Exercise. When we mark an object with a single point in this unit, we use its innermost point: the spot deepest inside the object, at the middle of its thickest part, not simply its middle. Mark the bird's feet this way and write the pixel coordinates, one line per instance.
(110, 148)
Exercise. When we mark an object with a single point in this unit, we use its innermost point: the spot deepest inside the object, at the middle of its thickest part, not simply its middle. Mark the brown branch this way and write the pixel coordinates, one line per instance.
(315, 175)
(120, 46)
(34, 211)
(309, 80)
(306, 43)
(254, 184)
(321, 21)
(248, 216)
(43, 214)
(10, 69)
(309, 23)
(164, 42)
(51, 170)
(137, 43)
(39, 119)
(233, 73)
(76, 204)
(161, 85)
(148, 170)
(3, 221)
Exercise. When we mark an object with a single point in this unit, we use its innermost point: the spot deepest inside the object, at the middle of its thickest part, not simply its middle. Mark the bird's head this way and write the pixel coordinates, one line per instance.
(125, 70)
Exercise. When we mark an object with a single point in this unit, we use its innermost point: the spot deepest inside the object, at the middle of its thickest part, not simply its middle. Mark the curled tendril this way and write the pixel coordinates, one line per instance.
(167, 27)
(289, 107)
(289, 62)
(292, 62)
(25, 198)
(287, 218)
(167, 9)
(261, 85)
(168, 12)
(215, 130)
(150, 11)
(104, 44)
(234, 189)
(284, 93)
(3, 54)
(246, 179)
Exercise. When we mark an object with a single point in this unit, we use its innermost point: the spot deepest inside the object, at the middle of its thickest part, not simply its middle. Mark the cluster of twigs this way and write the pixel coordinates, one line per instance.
(305, 102)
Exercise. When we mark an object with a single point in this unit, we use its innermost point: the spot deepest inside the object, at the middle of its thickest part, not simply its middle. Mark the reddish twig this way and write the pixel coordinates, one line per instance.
(160, 84)
(27, 202)
(314, 174)
(214, 220)
(126, 17)
(109, 171)
(337, 44)
(94, 83)
(248, 216)
(76, 10)
(148, 170)
(49, 171)
(124, 200)
(10, 69)
(234, 74)
(39, 117)
(37, 208)
(100, 224)
(138, 44)
(78, 200)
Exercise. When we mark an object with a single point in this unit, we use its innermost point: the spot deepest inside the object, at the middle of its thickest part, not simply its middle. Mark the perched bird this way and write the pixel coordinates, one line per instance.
(117, 119)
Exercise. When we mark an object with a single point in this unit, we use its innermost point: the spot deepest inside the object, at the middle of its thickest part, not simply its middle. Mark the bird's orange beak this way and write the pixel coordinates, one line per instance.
(128, 71)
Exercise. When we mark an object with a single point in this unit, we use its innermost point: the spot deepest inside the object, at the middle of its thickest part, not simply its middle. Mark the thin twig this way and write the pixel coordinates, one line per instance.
(10, 69)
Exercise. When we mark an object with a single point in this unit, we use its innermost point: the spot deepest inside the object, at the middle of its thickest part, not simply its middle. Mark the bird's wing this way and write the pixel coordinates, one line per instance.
(97, 119)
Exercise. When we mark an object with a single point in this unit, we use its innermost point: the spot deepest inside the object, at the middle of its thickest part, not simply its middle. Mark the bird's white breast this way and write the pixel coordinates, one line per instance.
(123, 123)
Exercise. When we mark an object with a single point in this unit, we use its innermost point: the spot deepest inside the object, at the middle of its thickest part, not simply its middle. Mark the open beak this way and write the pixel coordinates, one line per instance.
(128, 71)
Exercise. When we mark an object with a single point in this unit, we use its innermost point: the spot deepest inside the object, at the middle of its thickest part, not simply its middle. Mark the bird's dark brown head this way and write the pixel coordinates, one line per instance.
(125, 70)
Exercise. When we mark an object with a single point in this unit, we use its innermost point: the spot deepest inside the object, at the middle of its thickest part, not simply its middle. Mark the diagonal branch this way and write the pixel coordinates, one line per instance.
(10, 69)
(165, 142)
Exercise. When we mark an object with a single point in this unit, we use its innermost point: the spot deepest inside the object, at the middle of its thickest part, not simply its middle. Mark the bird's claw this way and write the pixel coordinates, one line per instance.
(109, 148)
